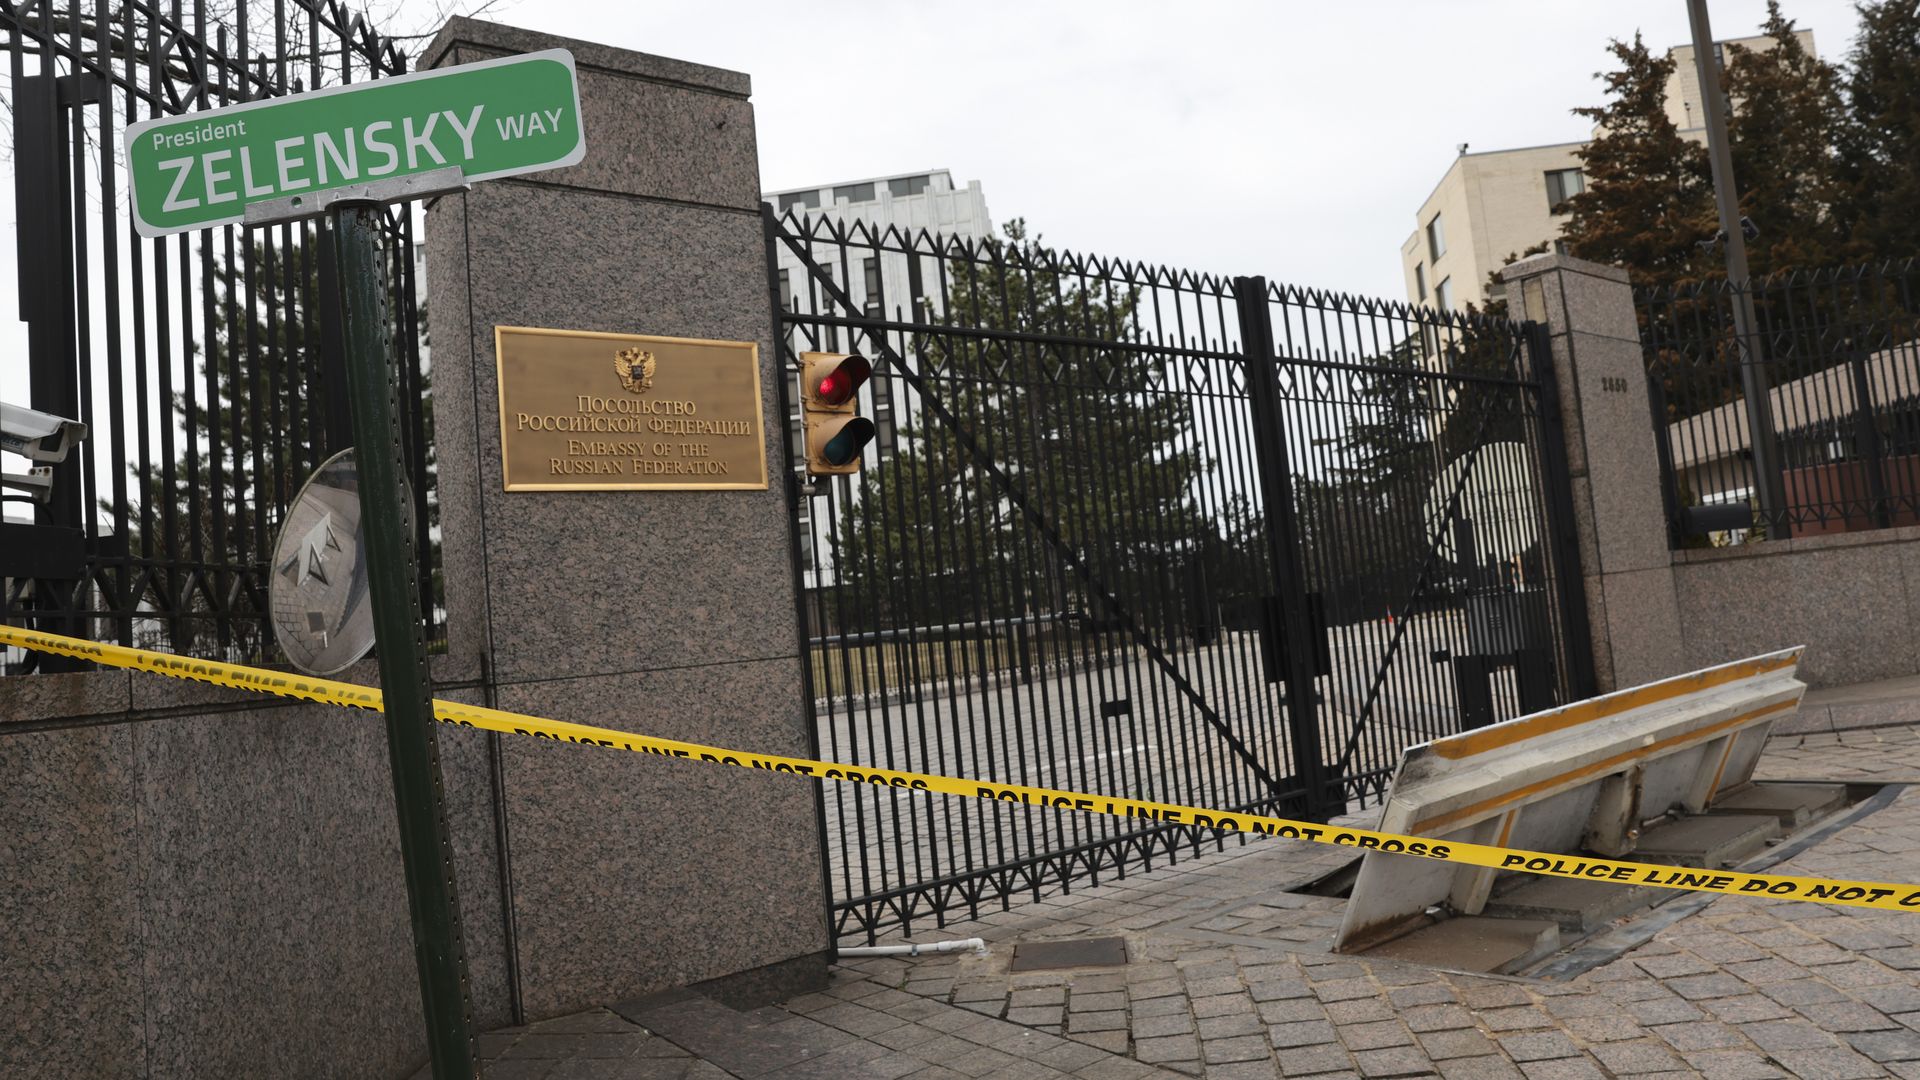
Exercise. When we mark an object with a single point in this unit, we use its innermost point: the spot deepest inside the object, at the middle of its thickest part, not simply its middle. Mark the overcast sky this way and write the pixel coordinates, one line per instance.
(1294, 140)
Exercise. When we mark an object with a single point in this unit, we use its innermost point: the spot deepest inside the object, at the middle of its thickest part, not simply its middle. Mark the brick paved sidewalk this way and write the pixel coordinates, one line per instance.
(1229, 978)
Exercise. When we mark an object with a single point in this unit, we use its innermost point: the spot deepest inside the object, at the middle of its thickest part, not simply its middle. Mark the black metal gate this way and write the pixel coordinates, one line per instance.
(1106, 501)
(206, 365)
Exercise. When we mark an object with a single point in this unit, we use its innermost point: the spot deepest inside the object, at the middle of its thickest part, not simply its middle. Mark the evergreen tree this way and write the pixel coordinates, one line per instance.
(1380, 473)
(1880, 140)
(1648, 203)
(203, 518)
(1787, 113)
(258, 430)
(1092, 435)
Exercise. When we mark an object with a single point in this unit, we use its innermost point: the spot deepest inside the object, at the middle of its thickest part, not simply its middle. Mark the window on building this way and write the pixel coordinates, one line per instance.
(917, 285)
(902, 186)
(786, 290)
(1436, 239)
(1443, 294)
(808, 199)
(854, 193)
(1419, 280)
(1564, 184)
(871, 268)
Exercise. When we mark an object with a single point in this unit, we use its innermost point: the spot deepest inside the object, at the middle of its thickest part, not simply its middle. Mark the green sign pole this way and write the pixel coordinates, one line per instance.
(393, 570)
(343, 152)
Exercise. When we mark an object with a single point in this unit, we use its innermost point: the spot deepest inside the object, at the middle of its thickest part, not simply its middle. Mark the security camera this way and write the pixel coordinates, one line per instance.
(37, 482)
(40, 436)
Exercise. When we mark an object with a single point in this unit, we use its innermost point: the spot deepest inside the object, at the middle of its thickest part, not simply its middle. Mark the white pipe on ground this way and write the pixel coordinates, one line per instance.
(973, 944)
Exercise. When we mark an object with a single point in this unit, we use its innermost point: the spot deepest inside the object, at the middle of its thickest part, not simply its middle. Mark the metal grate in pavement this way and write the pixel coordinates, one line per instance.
(1083, 952)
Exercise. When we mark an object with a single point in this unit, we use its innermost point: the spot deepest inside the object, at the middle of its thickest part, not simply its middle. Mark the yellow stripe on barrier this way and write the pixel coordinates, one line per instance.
(1866, 894)
(1599, 768)
(1468, 743)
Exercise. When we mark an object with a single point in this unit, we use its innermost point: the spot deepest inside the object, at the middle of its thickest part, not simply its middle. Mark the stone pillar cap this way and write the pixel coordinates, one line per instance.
(502, 39)
(1535, 265)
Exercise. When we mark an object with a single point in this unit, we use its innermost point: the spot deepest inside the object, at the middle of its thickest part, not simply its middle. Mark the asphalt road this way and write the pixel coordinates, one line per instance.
(1114, 721)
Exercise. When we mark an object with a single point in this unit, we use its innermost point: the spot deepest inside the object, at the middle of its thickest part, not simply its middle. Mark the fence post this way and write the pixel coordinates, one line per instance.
(1663, 449)
(1618, 511)
(1867, 443)
(1283, 545)
(1570, 584)
(45, 238)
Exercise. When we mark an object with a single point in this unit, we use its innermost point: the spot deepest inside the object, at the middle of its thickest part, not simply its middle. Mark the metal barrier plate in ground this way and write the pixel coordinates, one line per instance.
(1583, 775)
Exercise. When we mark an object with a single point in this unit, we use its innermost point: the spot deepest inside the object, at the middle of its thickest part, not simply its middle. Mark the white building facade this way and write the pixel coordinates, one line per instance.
(893, 210)
(1491, 205)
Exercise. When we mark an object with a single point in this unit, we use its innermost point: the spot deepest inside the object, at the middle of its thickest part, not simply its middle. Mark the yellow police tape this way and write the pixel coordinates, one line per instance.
(1867, 894)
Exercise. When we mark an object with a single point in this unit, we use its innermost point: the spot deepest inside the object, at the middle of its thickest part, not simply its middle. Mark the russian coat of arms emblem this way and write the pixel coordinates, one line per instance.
(635, 369)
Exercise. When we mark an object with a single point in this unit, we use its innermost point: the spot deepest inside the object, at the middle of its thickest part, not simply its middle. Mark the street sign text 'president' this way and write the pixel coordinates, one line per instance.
(490, 119)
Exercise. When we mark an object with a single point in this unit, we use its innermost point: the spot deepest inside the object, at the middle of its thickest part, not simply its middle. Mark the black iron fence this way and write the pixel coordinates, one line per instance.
(1060, 567)
(1837, 352)
(205, 365)
(1433, 523)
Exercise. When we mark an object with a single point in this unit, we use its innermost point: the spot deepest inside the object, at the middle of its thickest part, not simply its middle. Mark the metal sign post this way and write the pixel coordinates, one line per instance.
(1769, 490)
(393, 579)
(345, 152)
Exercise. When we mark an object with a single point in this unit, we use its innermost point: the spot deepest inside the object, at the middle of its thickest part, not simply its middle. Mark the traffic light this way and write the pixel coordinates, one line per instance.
(829, 401)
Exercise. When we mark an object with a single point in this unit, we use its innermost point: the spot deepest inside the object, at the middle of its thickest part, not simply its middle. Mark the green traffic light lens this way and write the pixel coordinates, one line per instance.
(846, 443)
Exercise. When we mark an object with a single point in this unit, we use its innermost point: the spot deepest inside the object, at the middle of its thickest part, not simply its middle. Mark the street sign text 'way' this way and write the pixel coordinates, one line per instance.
(490, 119)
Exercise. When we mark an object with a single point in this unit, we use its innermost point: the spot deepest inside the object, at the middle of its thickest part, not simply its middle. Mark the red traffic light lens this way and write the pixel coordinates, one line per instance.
(837, 386)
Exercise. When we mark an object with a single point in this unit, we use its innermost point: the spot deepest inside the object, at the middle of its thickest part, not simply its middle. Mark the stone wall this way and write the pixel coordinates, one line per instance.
(1853, 599)
(204, 882)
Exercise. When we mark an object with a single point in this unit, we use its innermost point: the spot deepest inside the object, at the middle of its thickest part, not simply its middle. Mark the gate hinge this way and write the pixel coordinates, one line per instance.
(84, 88)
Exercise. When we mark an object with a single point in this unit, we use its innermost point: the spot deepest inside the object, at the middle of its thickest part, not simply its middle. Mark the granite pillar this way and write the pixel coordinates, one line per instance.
(1618, 513)
(665, 612)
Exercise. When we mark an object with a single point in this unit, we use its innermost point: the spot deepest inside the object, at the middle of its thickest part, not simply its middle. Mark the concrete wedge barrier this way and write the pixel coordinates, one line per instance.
(1584, 776)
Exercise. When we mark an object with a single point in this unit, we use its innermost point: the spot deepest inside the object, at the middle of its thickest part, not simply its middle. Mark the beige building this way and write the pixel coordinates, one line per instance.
(1487, 207)
(1491, 205)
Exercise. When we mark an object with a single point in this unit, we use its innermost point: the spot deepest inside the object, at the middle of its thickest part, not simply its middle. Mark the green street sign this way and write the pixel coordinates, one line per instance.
(490, 119)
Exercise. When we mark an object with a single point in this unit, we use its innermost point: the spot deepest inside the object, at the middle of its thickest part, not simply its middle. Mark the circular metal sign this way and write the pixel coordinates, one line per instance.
(1494, 490)
(318, 579)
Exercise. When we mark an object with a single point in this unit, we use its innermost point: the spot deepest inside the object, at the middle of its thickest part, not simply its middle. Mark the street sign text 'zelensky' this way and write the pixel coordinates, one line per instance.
(490, 119)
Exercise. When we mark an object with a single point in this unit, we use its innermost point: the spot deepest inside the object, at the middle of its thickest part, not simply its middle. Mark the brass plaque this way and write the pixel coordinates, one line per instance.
(584, 411)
